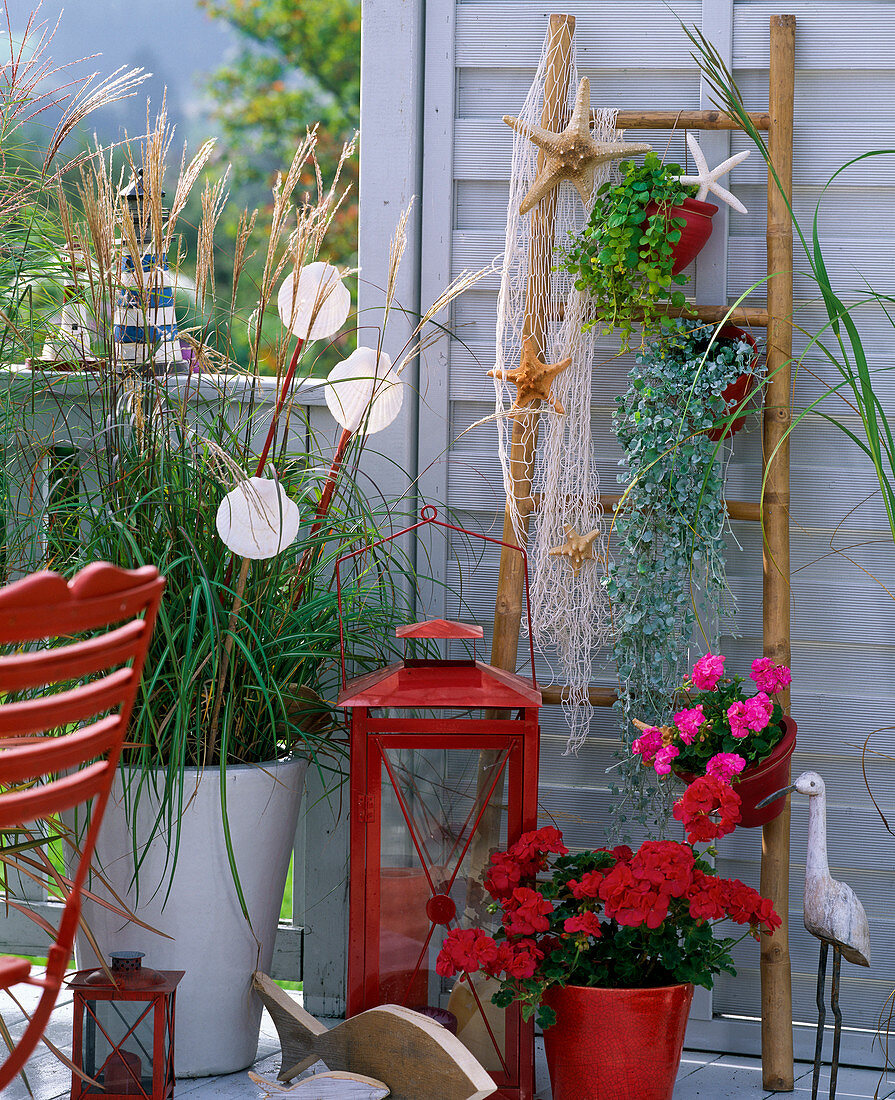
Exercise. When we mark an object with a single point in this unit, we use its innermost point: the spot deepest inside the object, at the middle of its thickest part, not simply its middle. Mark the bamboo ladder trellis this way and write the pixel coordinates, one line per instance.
(773, 510)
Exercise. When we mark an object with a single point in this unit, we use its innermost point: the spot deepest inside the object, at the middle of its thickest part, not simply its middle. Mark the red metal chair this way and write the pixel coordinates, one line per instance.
(61, 748)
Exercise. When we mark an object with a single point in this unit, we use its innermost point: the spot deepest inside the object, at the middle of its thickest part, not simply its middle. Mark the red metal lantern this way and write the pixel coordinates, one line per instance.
(444, 771)
(124, 1030)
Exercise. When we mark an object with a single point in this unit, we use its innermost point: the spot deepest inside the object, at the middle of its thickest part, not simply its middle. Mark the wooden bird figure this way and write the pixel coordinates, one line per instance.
(833, 913)
(324, 1086)
(573, 154)
(410, 1053)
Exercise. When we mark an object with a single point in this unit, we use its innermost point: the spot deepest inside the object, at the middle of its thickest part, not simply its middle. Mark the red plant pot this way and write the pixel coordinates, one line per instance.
(737, 391)
(694, 234)
(616, 1044)
(762, 779)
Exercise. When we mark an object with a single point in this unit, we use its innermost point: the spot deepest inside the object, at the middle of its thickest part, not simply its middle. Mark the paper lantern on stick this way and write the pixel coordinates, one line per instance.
(257, 519)
(318, 306)
(364, 391)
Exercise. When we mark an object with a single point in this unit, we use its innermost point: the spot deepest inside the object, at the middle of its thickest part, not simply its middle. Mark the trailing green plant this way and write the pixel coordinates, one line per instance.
(839, 340)
(624, 256)
(669, 529)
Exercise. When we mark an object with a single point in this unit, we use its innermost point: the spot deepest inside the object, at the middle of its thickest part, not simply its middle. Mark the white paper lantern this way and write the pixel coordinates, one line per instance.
(321, 296)
(257, 519)
(364, 392)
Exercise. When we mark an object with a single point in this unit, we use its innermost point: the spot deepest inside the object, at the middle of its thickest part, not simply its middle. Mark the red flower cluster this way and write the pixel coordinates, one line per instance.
(526, 912)
(586, 923)
(640, 891)
(576, 921)
(470, 949)
(706, 797)
(523, 860)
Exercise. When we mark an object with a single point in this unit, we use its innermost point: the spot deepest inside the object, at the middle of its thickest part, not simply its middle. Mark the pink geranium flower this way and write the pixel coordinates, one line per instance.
(664, 757)
(770, 677)
(736, 715)
(688, 723)
(725, 765)
(707, 671)
(648, 744)
(758, 711)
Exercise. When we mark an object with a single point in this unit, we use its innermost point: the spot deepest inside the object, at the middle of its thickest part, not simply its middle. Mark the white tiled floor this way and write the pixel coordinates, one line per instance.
(701, 1077)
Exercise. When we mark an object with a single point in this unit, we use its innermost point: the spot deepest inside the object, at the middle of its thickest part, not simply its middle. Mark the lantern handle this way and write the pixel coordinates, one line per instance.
(429, 518)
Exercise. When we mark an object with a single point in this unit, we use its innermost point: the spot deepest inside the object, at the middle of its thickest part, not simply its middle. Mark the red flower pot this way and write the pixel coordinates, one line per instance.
(616, 1044)
(737, 391)
(770, 775)
(762, 779)
(694, 234)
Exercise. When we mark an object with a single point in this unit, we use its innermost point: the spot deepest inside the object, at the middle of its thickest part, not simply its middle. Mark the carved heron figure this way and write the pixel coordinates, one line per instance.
(833, 913)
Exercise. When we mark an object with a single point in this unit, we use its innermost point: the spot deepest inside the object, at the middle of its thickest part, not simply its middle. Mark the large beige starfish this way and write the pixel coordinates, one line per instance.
(577, 548)
(533, 377)
(572, 154)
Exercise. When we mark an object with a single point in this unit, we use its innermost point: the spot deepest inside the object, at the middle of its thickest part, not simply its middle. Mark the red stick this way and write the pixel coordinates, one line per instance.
(281, 401)
(323, 507)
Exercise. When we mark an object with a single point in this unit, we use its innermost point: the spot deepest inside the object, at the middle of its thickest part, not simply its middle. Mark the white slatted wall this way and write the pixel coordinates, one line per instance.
(479, 61)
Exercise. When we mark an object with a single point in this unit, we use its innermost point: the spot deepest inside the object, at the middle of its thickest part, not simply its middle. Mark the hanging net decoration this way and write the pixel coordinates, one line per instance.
(569, 609)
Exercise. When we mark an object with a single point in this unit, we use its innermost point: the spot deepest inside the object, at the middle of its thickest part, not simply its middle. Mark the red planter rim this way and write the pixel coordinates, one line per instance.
(784, 746)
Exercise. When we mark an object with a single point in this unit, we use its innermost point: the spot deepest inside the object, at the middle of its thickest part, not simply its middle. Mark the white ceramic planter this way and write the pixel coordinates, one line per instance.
(218, 1015)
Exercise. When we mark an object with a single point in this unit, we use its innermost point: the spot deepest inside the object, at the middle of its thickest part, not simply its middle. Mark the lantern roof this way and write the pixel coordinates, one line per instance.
(440, 684)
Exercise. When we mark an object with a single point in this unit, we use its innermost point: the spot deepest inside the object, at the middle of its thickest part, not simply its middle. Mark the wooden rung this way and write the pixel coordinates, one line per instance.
(740, 315)
(749, 316)
(736, 509)
(599, 697)
(685, 120)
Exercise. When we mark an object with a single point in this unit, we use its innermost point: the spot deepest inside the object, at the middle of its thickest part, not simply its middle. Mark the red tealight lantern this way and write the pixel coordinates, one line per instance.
(124, 1030)
(444, 771)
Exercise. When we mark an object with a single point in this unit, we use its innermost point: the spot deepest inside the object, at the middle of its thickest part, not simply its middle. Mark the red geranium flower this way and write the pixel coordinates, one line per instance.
(586, 922)
(526, 912)
(704, 798)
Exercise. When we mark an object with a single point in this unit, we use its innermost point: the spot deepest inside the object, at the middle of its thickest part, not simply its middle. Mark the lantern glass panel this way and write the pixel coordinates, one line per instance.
(433, 864)
(118, 1045)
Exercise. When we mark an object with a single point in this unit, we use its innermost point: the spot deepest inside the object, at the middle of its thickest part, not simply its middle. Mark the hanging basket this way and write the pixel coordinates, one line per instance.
(616, 1044)
(737, 392)
(762, 779)
(694, 234)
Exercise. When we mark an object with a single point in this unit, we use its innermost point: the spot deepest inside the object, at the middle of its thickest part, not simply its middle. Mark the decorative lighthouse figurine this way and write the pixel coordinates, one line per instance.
(145, 327)
(68, 343)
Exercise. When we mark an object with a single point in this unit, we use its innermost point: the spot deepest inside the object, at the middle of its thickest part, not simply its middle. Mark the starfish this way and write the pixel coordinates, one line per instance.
(707, 178)
(572, 154)
(577, 548)
(533, 377)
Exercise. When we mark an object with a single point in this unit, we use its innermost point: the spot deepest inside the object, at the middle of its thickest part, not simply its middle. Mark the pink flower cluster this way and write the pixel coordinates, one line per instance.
(770, 677)
(725, 765)
(707, 671)
(752, 716)
(689, 721)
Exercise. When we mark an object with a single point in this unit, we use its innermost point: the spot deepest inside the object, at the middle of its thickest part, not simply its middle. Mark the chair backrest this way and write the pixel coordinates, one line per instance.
(60, 748)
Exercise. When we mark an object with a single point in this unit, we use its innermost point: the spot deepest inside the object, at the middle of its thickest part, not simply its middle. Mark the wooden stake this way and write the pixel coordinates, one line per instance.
(511, 575)
(776, 978)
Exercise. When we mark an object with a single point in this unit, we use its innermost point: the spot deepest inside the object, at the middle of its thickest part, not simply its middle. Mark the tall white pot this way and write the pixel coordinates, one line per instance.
(218, 1015)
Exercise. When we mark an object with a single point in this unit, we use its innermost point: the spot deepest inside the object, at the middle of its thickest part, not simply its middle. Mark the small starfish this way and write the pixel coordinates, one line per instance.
(577, 548)
(533, 377)
(707, 179)
(572, 154)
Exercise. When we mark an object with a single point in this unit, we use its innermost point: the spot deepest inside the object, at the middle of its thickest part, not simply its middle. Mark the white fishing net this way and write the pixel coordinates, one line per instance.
(569, 608)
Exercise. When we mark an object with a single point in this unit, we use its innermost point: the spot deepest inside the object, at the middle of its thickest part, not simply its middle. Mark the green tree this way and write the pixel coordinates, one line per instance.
(298, 63)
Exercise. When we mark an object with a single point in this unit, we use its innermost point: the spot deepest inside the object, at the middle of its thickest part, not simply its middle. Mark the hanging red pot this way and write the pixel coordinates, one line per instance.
(616, 1044)
(694, 233)
(762, 779)
(737, 391)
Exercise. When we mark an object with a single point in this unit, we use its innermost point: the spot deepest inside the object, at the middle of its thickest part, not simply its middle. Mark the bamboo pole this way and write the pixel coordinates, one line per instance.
(736, 315)
(510, 578)
(776, 978)
(511, 575)
(685, 120)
